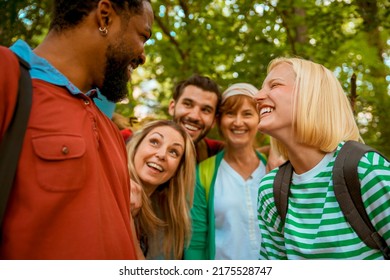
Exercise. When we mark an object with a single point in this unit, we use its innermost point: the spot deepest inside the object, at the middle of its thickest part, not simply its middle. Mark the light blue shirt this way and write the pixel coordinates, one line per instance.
(237, 234)
(41, 69)
(106, 106)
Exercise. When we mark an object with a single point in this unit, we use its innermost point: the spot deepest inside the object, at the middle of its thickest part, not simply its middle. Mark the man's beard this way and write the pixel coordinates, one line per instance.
(202, 135)
(116, 77)
(183, 120)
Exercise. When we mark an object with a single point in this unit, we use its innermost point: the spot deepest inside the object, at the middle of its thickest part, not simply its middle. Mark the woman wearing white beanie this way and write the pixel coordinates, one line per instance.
(224, 213)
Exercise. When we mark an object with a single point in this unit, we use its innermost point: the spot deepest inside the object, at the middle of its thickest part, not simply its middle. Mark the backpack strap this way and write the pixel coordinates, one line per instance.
(12, 141)
(281, 188)
(348, 194)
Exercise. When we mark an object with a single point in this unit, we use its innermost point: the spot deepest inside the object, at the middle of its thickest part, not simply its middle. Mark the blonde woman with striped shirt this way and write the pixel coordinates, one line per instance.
(303, 107)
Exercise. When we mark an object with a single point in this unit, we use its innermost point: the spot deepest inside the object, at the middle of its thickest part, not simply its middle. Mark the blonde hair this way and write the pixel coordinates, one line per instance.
(322, 114)
(173, 199)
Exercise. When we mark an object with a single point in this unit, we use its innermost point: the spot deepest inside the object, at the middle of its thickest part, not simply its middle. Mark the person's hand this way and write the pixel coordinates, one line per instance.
(135, 198)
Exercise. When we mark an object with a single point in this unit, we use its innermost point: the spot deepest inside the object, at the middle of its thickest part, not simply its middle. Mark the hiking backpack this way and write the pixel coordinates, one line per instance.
(347, 191)
(12, 141)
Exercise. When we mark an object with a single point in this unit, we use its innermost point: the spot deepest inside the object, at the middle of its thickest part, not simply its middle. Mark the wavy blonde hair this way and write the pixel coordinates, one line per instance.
(322, 114)
(173, 199)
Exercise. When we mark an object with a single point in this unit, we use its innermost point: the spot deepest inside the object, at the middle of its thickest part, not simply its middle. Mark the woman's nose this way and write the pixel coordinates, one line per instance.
(160, 154)
(260, 95)
(237, 120)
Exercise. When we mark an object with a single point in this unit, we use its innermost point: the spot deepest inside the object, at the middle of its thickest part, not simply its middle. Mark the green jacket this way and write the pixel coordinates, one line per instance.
(202, 245)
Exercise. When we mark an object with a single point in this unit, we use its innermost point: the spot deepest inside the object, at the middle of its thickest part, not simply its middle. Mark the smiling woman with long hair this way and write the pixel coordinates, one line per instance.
(162, 161)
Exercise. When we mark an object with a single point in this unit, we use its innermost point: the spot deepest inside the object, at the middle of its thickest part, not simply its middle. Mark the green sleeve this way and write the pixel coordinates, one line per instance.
(198, 247)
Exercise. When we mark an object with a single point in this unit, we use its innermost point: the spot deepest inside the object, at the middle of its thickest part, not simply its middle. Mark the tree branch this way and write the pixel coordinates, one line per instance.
(285, 24)
(166, 31)
(184, 6)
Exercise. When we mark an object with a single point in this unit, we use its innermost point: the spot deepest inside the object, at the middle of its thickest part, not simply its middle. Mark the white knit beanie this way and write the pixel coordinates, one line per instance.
(239, 88)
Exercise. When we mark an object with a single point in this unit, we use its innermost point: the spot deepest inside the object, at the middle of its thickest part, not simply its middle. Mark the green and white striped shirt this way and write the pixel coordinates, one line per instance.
(315, 227)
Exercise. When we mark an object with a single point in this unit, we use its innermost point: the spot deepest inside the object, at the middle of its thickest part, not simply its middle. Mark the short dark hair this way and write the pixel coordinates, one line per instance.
(203, 82)
(69, 13)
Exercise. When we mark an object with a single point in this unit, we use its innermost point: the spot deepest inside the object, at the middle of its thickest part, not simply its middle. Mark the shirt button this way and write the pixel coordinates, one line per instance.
(65, 150)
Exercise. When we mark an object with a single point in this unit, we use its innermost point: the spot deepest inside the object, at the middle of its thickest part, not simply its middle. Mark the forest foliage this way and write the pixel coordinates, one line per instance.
(234, 40)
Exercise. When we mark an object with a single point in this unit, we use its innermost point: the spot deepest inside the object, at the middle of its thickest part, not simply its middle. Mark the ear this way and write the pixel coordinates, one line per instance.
(104, 13)
(171, 108)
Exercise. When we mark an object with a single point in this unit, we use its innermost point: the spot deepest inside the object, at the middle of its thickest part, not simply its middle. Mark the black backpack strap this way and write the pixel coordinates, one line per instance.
(12, 141)
(281, 188)
(349, 197)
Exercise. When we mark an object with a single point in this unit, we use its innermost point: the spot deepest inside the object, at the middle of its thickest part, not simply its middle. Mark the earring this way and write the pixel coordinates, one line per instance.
(103, 31)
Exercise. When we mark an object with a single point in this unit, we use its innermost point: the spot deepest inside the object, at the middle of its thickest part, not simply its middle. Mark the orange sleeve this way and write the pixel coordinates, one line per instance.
(9, 79)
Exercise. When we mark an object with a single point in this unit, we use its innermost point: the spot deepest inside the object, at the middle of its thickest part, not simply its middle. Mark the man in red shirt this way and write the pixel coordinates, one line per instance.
(71, 193)
(195, 107)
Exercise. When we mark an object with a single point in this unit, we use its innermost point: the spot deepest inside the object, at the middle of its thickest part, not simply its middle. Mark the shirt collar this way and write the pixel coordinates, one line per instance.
(41, 69)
